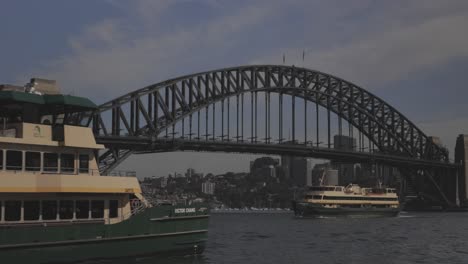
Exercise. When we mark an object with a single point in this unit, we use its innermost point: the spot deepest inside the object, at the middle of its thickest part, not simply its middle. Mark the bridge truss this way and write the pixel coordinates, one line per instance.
(270, 109)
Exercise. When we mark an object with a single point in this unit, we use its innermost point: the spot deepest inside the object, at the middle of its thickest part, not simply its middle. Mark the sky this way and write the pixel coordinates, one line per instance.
(411, 53)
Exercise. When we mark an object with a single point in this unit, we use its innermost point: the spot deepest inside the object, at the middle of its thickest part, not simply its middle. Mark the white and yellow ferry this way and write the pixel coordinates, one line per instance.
(351, 200)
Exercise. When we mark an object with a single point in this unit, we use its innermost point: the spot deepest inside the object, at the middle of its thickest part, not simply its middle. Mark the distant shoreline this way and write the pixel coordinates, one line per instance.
(250, 211)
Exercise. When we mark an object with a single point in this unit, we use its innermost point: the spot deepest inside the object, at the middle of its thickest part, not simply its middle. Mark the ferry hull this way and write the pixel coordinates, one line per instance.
(148, 233)
(316, 210)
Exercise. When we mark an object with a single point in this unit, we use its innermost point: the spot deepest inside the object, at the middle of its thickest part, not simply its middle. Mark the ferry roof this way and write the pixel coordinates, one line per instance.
(69, 100)
(71, 103)
(20, 97)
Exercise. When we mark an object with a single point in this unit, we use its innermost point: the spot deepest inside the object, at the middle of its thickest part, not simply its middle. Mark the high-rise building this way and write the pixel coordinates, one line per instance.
(299, 169)
(324, 174)
(346, 173)
(163, 182)
(365, 174)
(272, 171)
(344, 142)
(286, 164)
(190, 172)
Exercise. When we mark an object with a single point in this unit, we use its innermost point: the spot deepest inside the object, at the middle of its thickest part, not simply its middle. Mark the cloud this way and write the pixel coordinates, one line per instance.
(110, 58)
(392, 51)
(395, 54)
(364, 42)
(103, 34)
(118, 55)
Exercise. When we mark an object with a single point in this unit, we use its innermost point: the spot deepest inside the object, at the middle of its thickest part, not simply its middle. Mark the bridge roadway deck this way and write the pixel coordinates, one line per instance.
(141, 145)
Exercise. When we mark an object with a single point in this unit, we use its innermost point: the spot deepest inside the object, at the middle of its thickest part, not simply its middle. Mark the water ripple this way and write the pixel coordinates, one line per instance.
(410, 238)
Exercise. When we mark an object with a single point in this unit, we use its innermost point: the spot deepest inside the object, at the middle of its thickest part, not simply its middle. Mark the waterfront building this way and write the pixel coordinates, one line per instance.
(208, 188)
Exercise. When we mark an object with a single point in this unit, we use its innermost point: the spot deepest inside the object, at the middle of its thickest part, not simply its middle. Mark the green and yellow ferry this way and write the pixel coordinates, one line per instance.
(55, 207)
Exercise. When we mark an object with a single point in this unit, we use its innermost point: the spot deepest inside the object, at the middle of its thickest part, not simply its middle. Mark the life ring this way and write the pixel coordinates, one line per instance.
(135, 203)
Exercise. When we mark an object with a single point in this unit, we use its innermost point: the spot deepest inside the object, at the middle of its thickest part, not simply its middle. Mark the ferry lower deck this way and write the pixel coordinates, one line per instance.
(154, 230)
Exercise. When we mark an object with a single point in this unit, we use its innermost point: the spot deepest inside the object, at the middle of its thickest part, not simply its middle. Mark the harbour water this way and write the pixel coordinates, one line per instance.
(280, 238)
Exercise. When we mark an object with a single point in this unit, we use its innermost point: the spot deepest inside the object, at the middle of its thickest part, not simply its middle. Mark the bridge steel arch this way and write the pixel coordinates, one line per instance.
(138, 118)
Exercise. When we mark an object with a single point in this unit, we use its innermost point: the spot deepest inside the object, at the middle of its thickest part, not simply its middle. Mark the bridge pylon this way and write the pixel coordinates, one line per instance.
(461, 158)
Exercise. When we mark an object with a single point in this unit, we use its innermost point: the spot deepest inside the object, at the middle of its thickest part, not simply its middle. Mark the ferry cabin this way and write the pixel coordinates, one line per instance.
(352, 196)
(48, 167)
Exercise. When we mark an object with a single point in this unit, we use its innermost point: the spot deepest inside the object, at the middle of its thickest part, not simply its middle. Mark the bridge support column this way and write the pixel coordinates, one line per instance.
(461, 157)
(447, 179)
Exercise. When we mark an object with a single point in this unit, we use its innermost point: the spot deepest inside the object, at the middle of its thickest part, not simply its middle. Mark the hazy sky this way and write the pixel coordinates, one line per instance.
(413, 54)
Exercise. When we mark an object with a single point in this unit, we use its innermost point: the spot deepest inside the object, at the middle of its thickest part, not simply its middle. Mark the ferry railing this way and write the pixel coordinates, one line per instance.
(11, 133)
(32, 169)
(136, 208)
(13, 169)
(122, 173)
(119, 173)
(65, 171)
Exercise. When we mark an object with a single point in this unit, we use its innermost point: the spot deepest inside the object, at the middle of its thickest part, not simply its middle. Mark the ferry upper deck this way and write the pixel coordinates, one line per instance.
(45, 149)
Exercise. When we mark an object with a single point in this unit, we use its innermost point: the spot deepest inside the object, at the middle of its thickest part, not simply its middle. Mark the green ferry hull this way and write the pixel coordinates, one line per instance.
(155, 231)
(315, 210)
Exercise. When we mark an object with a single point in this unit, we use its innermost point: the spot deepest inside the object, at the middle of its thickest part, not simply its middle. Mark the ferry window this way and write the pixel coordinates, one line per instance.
(0, 210)
(14, 160)
(84, 163)
(51, 162)
(1, 159)
(113, 208)
(33, 161)
(82, 209)
(49, 210)
(97, 209)
(31, 210)
(12, 210)
(66, 210)
(67, 163)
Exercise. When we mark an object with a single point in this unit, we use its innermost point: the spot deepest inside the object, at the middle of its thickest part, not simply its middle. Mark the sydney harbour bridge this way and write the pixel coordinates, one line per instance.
(272, 109)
